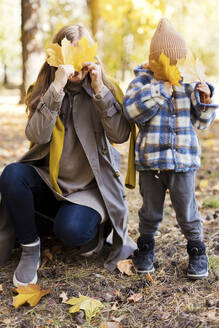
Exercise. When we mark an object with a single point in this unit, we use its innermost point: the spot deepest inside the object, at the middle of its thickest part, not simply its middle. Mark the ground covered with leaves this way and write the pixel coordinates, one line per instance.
(169, 300)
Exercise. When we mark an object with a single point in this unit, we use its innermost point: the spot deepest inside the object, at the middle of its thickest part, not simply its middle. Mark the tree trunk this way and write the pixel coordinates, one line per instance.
(32, 42)
(5, 79)
(93, 6)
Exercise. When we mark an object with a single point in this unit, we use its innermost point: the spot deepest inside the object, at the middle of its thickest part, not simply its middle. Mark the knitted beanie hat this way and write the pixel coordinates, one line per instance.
(167, 40)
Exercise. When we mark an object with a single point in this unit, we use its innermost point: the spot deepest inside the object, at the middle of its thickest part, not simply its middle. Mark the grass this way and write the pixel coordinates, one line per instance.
(211, 202)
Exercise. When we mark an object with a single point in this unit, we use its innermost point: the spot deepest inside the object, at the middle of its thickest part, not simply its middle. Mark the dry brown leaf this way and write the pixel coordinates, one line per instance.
(7, 321)
(125, 266)
(212, 315)
(64, 297)
(1, 288)
(119, 319)
(28, 294)
(149, 278)
(46, 257)
(117, 293)
(110, 324)
(114, 307)
(135, 297)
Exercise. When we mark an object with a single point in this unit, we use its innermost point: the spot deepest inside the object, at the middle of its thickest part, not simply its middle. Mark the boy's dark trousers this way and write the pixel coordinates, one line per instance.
(181, 185)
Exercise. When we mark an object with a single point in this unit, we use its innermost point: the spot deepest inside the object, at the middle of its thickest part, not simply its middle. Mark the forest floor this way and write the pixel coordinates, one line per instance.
(171, 300)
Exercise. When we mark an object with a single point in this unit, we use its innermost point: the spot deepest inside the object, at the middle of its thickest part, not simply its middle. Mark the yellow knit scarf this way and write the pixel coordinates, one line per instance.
(57, 141)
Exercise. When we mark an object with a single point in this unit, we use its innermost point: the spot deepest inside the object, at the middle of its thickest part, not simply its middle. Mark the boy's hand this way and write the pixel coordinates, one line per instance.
(202, 87)
(168, 88)
(204, 92)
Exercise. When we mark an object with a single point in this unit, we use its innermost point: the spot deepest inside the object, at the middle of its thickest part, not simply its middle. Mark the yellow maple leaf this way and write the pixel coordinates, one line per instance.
(164, 71)
(191, 69)
(67, 54)
(90, 306)
(55, 57)
(84, 53)
(29, 294)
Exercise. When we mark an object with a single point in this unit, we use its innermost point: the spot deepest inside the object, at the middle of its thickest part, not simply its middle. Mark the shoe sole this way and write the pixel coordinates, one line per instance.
(17, 283)
(145, 271)
(194, 276)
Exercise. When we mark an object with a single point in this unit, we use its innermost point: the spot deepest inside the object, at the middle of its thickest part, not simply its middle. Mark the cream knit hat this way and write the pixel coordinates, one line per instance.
(167, 40)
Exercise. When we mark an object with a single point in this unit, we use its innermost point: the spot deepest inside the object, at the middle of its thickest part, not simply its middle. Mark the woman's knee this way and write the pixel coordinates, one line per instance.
(74, 232)
(10, 176)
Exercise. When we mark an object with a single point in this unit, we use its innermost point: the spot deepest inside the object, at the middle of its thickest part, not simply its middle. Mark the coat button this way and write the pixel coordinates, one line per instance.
(117, 173)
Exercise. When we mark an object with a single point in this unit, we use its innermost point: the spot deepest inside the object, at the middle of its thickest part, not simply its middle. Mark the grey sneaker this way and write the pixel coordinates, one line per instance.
(26, 271)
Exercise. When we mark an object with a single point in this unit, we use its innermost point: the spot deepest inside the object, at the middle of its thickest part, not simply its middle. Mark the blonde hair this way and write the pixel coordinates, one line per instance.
(47, 72)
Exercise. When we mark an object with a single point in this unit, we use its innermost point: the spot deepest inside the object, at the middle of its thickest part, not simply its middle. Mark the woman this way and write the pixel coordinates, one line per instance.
(71, 170)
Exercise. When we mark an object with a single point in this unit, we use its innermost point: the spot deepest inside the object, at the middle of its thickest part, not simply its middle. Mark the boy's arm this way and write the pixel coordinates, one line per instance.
(202, 114)
(144, 99)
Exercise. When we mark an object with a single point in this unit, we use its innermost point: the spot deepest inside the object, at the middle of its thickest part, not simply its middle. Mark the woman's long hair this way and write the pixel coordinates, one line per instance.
(47, 72)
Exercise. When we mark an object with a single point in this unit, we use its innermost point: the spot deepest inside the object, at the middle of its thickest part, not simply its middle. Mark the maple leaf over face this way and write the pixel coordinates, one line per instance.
(191, 69)
(67, 54)
(163, 71)
(90, 306)
(30, 294)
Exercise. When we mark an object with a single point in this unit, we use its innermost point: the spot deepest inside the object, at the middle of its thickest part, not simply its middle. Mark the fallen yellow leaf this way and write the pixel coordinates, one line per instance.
(191, 69)
(135, 297)
(203, 184)
(90, 305)
(164, 71)
(29, 294)
(125, 266)
(67, 54)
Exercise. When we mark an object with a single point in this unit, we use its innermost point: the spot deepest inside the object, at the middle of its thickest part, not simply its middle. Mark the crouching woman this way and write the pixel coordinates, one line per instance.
(71, 172)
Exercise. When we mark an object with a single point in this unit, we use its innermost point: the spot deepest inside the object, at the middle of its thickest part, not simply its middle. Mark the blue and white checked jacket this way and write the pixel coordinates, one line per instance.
(166, 139)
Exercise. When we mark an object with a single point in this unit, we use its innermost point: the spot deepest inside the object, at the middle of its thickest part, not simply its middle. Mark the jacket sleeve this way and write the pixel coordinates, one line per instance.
(40, 126)
(144, 99)
(202, 115)
(111, 114)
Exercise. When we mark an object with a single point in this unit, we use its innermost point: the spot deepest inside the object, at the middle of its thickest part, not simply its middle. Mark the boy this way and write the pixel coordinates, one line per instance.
(167, 151)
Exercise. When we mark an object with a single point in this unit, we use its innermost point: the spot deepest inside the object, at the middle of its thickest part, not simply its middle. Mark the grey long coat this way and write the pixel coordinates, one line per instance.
(95, 125)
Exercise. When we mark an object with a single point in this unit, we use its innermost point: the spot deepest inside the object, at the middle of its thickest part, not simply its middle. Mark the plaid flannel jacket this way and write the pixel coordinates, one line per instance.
(166, 139)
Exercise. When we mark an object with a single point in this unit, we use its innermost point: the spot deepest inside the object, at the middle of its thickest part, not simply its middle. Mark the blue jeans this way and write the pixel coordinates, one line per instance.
(24, 192)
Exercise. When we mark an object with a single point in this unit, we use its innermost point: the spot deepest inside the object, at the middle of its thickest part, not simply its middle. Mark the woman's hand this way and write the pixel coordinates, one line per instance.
(204, 92)
(62, 75)
(96, 76)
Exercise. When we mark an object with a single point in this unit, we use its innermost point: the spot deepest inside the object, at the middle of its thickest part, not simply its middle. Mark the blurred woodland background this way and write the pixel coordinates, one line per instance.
(122, 28)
